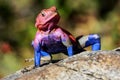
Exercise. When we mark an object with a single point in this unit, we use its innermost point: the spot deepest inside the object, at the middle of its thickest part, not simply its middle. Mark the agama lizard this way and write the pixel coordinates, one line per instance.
(52, 39)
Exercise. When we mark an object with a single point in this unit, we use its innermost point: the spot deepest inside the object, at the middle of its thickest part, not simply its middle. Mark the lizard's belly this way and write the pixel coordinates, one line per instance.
(52, 44)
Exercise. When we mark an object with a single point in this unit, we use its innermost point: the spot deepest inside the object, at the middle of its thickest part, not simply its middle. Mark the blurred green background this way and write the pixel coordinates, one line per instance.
(80, 17)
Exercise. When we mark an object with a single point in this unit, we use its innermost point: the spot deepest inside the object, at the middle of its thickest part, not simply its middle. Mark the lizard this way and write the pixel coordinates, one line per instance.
(52, 39)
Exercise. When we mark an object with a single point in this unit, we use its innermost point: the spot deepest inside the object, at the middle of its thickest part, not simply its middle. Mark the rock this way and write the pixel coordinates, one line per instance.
(88, 65)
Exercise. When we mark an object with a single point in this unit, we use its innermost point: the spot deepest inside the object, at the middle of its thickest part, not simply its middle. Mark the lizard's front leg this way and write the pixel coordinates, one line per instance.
(40, 55)
(70, 50)
(37, 56)
(66, 41)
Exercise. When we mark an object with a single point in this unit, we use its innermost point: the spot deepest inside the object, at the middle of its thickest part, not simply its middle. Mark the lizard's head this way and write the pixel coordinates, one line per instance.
(47, 18)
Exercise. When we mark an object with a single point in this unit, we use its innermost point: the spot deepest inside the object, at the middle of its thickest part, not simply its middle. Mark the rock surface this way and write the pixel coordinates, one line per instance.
(88, 65)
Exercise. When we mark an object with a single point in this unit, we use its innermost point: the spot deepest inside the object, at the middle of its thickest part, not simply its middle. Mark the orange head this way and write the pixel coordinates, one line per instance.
(47, 18)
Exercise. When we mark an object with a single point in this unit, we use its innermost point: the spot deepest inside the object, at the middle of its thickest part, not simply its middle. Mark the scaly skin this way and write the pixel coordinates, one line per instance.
(52, 39)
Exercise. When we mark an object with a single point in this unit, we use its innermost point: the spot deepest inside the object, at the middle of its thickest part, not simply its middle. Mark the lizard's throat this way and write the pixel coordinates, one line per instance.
(47, 27)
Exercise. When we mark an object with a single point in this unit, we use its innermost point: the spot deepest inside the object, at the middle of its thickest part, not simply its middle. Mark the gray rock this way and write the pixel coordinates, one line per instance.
(88, 65)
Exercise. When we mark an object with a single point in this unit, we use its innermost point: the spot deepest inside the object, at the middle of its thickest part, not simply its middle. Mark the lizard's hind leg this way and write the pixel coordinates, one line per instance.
(90, 40)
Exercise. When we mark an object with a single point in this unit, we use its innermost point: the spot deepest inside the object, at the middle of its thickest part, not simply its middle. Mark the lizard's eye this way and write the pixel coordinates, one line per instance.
(43, 14)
